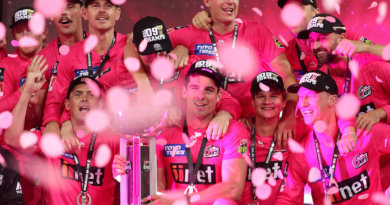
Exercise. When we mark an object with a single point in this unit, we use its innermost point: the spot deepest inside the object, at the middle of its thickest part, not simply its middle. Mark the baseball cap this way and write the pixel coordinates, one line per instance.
(205, 68)
(154, 31)
(75, 2)
(281, 3)
(87, 2)
(317, 81)
(77, 81)
(22, 15)
(323, 23)
(267, 78)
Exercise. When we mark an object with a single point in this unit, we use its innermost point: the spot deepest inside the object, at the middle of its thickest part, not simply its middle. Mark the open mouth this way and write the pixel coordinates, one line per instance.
(64, 20)
(101, 18)
(84, 109)
(307, 112)
(267, 108)
(200, 105)
(228, 10)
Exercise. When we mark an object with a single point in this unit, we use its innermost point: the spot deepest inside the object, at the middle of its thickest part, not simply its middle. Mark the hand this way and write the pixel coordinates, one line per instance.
(35, 74)
(175, 117)
(179, 55)
(349, 47)
(285, 131)
(130, 50)
(248, 122)
(367, 120)
(69, 139)
(218, 125)
(202, 20)
(118, 165)
(347, 141)
(158, 200)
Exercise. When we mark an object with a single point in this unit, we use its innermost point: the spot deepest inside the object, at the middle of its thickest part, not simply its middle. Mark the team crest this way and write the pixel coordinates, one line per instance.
(359, 160)
(243, 148)
(211, 151)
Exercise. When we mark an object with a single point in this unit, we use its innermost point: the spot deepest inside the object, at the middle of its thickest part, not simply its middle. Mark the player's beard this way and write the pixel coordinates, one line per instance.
(323, 55)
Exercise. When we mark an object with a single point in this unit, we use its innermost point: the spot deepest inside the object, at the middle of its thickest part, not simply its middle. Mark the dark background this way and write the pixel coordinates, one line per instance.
(354, 14)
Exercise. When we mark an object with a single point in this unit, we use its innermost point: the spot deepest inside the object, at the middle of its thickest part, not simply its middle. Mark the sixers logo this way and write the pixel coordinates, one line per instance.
(359, 160)
(211, 151)
(364, 91)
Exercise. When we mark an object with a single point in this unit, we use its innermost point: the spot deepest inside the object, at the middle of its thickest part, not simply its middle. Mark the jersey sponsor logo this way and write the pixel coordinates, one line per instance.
(22, 80)
(273, 168)
(366, 108)
(211, 151)
(351, 187)
(299, 74)
(84, 71)
(277, 42)
(243, 148)
(1, 74)
(67, 155)
(359, 160)
(171, 150)
(204, 49)
(364, 91)
(206, 173)
(68, 171)
(365, 40)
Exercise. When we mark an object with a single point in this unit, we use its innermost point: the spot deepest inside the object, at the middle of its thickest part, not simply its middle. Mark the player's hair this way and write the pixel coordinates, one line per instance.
(187, 80)
(274, 88)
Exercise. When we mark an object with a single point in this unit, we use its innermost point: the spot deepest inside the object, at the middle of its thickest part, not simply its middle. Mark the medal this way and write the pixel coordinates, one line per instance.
(84, 199)
(190, 189)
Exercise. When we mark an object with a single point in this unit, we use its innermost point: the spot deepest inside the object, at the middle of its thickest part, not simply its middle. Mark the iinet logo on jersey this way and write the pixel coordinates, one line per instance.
(206, 173)
(68, 171)
(351, 187)
(273, 168)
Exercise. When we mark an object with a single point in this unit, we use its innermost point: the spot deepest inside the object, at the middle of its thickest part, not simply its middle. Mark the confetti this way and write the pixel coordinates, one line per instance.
(64, 50)
(3, 31)
(161, 141)
(80, 134)
(320, 126)
(90, 43)
(5, 120)
(278, 156)
(264, 191)
(259, 176)
(51, 145)
(28, 139)
(103, 155)
(382, 11)
(373, 5)
(162, 68)
(314, 175)
(271, 180)
(118, 2)
(292, 15)
(347, 107)
(363, 196)
(142, 46)
(27, 41)
(380, 198)
(354, 66)
(257, 11)
(93, 86)
(96, 120)
(295, 146)
(37, 23)
(50, 8)
(264, 87)
(132, 64)
(386, 53)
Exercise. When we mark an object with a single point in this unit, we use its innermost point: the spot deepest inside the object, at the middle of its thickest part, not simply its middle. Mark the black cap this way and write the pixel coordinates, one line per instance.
(22, 15)
(267, 78)
(154, 30)
(281, 3)
(87, 2)
(317, 81)
(205, 68)
(77, 81)
(75, 2)
(323, 23)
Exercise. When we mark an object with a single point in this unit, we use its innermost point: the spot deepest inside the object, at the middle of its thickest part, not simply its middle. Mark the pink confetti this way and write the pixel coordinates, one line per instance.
(142, 46)
(378, 79)
(51, 145)
(96, 120)
(248, 160)
(50, 8)
(331, 19)
(264, 191)
(37, 23)
(258, 176)
(278, 156)
(239, 60)
(2, 161)
(161, 141)
(80, 134)
(386, 53)
(264, 87)
(28, 139)
(387, 192)
(347, 107)
(380, 198)
(271, 180)
(283, 40)
(3, 31)
(314, 174)
(295, 146)
(327, 201)
(174, 150)
(280, 174)
(363, 196)
(117, 100)
(215, 63)
(15, 43)
(223, 201)
(93, 86)
(180, 202)
(333, 190)
(382, 11)
(118, 2)
(320, 126)
(194, 198)
(238, 20)
(373, 5)
(132, 64)
(337, 8)
(162, 68)
(257, 11)
(354, 66)
(90, 43)
(5, 120)
(103, 155)
(330, 5)
(162, 98)
(27, 41)
(64, 50)
(292, 15)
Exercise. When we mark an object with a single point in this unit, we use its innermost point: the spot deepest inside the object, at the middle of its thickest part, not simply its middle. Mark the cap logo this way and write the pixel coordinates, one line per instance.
(204, 64)
(317, 22)
(154, 34)
(24, 14)
(267, 76)
(157, 47)
(310, 78)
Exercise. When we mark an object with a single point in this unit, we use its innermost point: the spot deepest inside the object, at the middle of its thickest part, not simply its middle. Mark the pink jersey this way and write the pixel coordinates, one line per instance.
(74, 64)
(257, 40)
(232, 146)
(3, 53)
(52, 55)
(101, 186)
(357, 173)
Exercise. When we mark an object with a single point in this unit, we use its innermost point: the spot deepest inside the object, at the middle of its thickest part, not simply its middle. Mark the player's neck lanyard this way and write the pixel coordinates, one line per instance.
(301, 61)
(193, 171)
(214, 42)
(253, 155)
(84, 181)
(104, 60)
(321, 166)
(348, 78)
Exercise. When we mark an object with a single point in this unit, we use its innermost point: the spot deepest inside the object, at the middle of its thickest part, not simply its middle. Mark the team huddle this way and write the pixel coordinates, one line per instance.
(234, 133)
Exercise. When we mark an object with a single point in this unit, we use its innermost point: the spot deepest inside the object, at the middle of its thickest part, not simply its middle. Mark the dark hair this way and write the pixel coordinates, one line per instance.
(284, 94)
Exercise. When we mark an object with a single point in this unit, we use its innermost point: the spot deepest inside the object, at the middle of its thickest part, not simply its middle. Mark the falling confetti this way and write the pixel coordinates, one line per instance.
(64, 50)
(382, 11)
(378, 79)
(280, 174)
(161, 141)
(257, 11)
(50, 8)
(331, 5)
(90, 43)
(162, 98)
(5, 120)
(103, 155)
(143, 45)
(320, 126)
(37, 23)
(337, 8)
(373, 5)
(28, 139)
(118, 2)
(96, 120)
(15, 43)
(80, 134)
(271, 180)
(363, 196)
(27, 41)
(117, 100)
(386, 53)
(264, 87)
(237, 60)
(292, 15)
(278, 156)
(347, 107)
(283, 40)
(248, 160)
(327, 201)
(314, 175)
(2, 161)
(295, 146)
(264, 191)
(132, 64)
(380, 198)
(194, 198)
(354, 66)
(51, 145)
(93, 86)
(258, 177)
(333, 190)
(238, 20)
(162, 68)
(3, 31)
(331, 19)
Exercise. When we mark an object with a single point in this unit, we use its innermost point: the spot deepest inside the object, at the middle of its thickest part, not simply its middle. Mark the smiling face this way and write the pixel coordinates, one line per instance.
(21, 30)
(323, 45)
(80, 102)
(101, 15)
(201, 95)
(223, 11)
(69, 22)
(268, 105)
